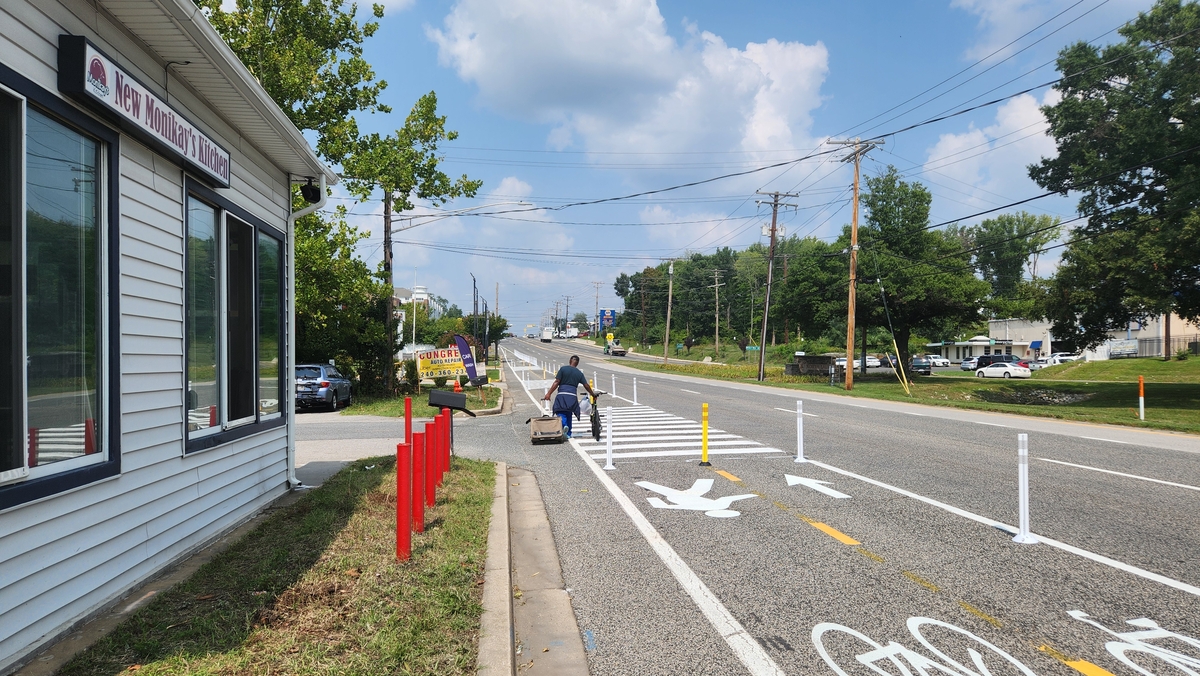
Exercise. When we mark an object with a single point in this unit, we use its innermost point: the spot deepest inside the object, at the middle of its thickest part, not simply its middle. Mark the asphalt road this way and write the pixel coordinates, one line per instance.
(909, 574)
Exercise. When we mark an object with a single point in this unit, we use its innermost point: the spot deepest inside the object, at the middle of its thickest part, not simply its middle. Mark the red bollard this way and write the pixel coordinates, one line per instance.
(212, 416)
(33, 446)
(431, 477)
(418, 482)
(89, 436)
(445, 416)
(408, 421)
(403, 502)
(437, 449)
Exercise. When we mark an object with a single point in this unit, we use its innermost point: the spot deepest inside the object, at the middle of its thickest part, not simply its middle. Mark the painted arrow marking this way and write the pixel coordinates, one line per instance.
(815, 484)
(693, 498)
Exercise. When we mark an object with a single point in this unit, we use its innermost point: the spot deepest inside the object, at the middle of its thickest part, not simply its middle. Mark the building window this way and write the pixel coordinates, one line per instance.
(55, 389)
(234, 321)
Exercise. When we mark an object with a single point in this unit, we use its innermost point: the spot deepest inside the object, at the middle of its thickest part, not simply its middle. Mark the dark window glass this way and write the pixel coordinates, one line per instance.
(11, 412)
(308, 372)
(62, 291)
(203, 318)
(240, 319)
(270, 324)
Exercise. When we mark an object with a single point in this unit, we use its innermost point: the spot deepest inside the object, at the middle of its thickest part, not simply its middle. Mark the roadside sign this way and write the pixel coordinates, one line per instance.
(608, 317)
(443, 363)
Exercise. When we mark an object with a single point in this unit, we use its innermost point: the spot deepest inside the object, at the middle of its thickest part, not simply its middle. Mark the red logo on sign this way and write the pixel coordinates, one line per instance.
(97, 76)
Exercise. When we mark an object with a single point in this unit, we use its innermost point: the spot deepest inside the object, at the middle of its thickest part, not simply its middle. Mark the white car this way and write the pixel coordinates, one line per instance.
(841, 361)
(1002, 369)
(938, 360)
(872, 361)
(1061, 358)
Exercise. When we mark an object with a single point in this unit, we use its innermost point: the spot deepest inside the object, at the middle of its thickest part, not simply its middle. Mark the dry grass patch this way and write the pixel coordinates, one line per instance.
(316, 589)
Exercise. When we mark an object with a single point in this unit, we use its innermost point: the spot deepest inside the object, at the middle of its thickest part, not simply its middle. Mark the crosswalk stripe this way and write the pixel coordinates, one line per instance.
(695, 452)
(672, 444)
(645, 432)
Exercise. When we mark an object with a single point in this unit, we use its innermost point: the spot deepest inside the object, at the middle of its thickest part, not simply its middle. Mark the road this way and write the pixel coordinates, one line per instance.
(917, 566)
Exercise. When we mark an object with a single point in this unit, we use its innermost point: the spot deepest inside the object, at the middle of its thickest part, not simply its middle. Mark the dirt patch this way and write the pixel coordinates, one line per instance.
(1035, 397)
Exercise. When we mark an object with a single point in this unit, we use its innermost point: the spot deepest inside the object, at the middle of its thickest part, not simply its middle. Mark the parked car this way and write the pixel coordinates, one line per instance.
(938, 360)
(1003, 369)
(321, 385)
(841, 361)
(872, 361)
(998, 358)
(969, 363)
(1062, 358)
(1034, 364)
(889, 360)
(920, 365)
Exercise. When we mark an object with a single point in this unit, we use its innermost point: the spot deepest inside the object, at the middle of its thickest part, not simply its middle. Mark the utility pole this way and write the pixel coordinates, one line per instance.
(762, 343)
(496, 307)
(474, 308)
(670, 295)
(597, 315)
(556, 304)
(566, 314)
(786, 336)
(860, 148)
(643, 293)
(389, 375)
(716, 287)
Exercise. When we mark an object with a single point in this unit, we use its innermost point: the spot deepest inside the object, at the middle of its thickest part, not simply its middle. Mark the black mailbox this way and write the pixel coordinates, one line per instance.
(451, 400)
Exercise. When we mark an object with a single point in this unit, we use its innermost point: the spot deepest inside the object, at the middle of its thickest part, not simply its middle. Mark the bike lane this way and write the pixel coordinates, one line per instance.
(856, 570)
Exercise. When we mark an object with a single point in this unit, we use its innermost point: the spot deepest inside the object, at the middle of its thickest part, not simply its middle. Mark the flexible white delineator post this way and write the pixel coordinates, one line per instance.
(614, 387)
(800, 431)
(635, 391)
(1023, 535)
(608, 465)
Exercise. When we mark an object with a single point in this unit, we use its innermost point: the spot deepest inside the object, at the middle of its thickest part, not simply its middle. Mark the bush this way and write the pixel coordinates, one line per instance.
(463, 380)
(411, 378)
(1181, 354)
(440, 381)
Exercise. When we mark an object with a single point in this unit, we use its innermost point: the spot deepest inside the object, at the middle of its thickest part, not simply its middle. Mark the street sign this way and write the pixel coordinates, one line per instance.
(608, 317)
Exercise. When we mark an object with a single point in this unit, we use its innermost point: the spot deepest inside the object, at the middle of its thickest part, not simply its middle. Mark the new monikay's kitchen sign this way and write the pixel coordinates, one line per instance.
(90, 75)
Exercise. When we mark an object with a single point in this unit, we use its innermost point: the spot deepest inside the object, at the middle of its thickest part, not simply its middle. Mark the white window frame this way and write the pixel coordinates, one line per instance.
(20, 293)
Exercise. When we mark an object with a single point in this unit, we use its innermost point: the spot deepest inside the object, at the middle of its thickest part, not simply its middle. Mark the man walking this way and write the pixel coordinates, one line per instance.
(567, 381)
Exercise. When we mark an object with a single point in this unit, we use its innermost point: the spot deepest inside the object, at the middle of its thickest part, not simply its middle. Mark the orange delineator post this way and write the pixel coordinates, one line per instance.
(431, 477)
(418, 482)
(403, 502)
(1141, 397)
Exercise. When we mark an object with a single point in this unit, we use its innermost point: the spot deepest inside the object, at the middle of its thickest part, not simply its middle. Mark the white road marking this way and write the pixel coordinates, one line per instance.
(815, 484)
(688, 391)
(1098, 558)
(1129, 476)
(674, 444)
(744, 646)
(923, 415)
(987, 423)
(792, 410)
(694, 452)
(1111, 441)
(693, 499)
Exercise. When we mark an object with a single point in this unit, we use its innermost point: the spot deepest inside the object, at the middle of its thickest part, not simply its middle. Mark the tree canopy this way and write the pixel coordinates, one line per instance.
(1127, 131)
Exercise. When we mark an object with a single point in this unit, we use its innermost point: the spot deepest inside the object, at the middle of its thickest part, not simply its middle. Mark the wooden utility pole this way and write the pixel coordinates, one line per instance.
(389, 374)
(642, 286)
(670, 295)
(786, 336)
(860, 148)
(716, 287)
(597, 315)
(762, 343)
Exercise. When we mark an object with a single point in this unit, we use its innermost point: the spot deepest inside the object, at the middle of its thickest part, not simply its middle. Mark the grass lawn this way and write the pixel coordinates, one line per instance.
(1172, 397)
(316, 589)
(394, 407)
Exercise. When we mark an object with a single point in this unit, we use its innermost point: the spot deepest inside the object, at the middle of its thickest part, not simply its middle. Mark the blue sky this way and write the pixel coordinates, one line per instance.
(568, 100)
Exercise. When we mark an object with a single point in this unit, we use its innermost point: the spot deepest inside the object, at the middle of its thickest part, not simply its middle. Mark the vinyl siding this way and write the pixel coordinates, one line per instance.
(66, 556)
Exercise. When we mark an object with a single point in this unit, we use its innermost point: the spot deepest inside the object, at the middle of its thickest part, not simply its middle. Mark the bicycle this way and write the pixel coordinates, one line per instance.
(594, 415)
(1139, 642)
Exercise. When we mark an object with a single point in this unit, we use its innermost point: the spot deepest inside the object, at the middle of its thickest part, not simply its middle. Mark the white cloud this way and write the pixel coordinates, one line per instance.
(991, 163)
(609, 77)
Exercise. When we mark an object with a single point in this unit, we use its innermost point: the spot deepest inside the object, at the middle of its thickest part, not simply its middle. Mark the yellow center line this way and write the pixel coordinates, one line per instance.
(980, 614)
(834, 533)
(869, 554)
(727, 475)
(1082, 666)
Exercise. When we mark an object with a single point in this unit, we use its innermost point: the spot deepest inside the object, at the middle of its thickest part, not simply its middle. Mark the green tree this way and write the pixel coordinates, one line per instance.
(927, 285)
(1127, 129)
(308, 55)
(1004, 247)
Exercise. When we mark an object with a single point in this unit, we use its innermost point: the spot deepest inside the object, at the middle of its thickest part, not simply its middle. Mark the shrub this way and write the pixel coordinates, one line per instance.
(411, 378)
(1181, 354)
(440, 381)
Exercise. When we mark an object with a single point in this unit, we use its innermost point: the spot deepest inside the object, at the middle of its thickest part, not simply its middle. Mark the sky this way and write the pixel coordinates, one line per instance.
(579, 100)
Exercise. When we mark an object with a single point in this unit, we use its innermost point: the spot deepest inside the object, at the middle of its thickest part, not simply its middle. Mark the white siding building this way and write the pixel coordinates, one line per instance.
(145, 301)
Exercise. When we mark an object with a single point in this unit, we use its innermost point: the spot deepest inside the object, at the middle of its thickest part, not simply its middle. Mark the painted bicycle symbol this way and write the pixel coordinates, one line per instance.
(1138, 643)
(985, 659)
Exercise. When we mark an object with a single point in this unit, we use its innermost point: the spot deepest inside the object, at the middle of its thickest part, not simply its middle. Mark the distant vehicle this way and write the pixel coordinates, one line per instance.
(1002, 369)
(614, 348)
(889, 361)
(938, 360)
(1061, 358)
(969, 363)
(872, 361)
(572, 332)
(841, 361)
(1035, 365)
(547, 334)
(321, 385)
(920, 365)
(987, 359)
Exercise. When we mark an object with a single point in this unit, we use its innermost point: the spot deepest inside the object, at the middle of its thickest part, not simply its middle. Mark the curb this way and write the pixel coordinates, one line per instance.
(496, 636)
(494, 410)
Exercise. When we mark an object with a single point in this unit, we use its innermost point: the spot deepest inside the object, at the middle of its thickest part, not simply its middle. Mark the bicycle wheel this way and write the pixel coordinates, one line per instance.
(976, 657)
(875, 652)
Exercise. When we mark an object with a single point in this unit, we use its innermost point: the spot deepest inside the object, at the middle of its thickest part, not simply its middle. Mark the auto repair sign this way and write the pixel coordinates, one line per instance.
(93, 77)
(442, 363)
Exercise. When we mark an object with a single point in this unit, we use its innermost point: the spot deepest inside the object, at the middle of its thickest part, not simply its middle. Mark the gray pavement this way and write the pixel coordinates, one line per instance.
(921, 480)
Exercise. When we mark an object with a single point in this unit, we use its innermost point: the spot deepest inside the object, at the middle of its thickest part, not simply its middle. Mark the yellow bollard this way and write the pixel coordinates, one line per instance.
(704, 436)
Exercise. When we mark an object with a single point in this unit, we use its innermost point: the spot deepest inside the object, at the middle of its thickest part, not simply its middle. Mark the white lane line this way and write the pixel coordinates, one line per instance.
(743, 645)
(675, 444)
(923, 415)
(693, 452)
(1129, 476)
(1111, 441)
(1098, 558)
(688, 391)
(986, 423)
(666, 437)
(789, 410)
